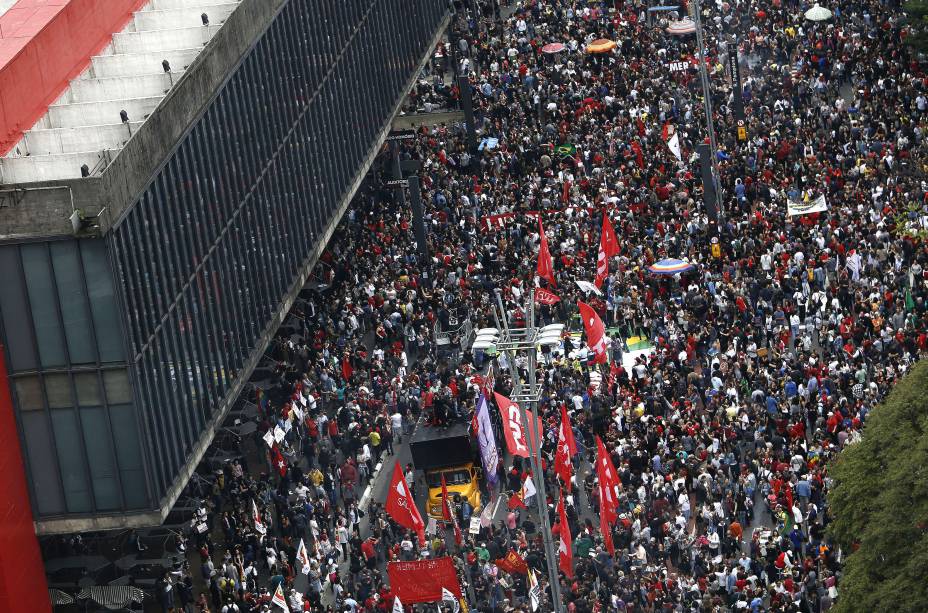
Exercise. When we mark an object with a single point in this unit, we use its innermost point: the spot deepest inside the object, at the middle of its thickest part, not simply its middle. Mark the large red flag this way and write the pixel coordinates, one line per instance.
(545, 265)
(347, 370)
(596, 338)
(566, 447)
(608, 503)
(608, 247)
(512, 426)
(565, 555)
(279, 462)
(401, 506)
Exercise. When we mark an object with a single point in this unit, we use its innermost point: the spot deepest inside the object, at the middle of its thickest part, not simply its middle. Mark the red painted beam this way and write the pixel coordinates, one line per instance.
(43, 45)
(22, 572)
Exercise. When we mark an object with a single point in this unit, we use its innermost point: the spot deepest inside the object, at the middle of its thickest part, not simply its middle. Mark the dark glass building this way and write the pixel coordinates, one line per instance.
(129, 334)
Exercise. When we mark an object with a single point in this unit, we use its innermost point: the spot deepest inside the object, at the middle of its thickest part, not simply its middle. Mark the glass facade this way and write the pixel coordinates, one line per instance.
(69, 378)
(207, 254)
(122, 350)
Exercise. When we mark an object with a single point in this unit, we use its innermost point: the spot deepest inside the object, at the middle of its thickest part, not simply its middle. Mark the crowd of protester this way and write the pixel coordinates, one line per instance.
(767, 357)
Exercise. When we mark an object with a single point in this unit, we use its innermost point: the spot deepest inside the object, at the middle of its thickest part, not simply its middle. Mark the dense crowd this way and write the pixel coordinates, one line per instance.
(767, 358)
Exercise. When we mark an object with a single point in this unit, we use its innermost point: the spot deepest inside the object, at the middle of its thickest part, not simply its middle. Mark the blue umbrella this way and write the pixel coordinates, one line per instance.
(670, 266)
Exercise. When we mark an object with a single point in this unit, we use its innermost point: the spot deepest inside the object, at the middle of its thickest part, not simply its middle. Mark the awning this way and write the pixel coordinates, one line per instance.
(112, 596)
(57, 597)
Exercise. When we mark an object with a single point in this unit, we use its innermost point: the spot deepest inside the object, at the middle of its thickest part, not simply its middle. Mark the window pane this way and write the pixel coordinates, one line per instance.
(102, 301)
(117, 386)
(29, 393)
(43, 471)
(99, 447)
(58, 388)
(73, 470)
(88, 389)
(74, 312)
(15, 311)
(129, 455)
(42, 300)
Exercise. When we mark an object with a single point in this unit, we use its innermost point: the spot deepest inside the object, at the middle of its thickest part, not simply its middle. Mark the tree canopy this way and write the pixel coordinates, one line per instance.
(916, 12)
(879, 504)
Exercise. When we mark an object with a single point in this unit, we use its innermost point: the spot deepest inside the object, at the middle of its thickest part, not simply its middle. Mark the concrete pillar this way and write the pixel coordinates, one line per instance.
(418, 217)
(467, 105)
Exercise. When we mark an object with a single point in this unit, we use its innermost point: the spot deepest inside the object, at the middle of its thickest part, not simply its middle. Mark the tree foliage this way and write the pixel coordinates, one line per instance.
(879, 504)
(916, 12)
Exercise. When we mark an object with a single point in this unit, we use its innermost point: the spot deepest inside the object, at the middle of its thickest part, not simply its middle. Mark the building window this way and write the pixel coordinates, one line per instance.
(15, 311)
(102, 301)
(44, 305)
(78, 329)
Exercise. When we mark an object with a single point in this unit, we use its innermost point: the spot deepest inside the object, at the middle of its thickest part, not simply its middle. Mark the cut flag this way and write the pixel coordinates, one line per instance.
(565, 556)
(566, 448)
(608, 247)
(279, 599)
(672, 139)
(303, 558)
(545, 264)
(256, 517)
(397, 605)
(279, 462)
(534, 590)
(447, 596)
(608, 502)
(543, 296)
(401, 506)
(347, 369)
(596, 338)
(513, 428)
(447, 513)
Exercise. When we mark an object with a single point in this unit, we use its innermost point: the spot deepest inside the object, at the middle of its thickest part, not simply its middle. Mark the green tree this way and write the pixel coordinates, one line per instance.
(916, 12)
(879, 503)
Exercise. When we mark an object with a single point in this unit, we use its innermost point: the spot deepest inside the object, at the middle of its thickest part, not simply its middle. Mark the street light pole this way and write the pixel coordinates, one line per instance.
(534, 451)
(694, 9)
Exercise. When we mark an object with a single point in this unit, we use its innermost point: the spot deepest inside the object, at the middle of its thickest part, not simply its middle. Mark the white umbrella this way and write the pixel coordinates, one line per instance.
(682, 27)
(818, 13)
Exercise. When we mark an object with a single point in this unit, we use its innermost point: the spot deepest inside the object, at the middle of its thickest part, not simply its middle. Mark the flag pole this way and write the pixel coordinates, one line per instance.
(534, 453)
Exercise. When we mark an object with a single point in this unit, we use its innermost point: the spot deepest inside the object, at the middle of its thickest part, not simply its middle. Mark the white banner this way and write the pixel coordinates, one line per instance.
(804, 208)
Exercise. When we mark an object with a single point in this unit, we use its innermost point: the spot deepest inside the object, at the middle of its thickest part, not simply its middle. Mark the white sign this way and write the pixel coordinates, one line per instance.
(588, 287)
(678, 66)
(474, 524)
(818, 205)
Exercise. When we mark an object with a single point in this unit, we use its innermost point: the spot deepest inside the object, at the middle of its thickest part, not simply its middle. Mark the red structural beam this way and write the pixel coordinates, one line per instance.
(43, 45)
(22, 572)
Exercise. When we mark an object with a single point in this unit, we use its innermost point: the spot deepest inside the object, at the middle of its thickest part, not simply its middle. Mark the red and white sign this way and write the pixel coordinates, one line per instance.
(492, 223)
(513, 428)
(423, 580)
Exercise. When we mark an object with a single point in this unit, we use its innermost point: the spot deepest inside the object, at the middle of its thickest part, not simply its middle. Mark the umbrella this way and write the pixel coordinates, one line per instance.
(818, 13)
(682, 28)
(670, 266)
(553, 48)
(600, 45)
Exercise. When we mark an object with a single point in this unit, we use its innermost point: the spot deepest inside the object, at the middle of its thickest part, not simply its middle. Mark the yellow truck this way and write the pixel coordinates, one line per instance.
(447, 451)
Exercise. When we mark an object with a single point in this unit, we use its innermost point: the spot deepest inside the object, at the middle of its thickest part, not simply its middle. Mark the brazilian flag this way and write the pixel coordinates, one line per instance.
(566, 150)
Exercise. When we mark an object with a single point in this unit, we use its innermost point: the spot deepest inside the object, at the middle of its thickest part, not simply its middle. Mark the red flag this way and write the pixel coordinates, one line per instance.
(513, 563)
(608, 503)
(543, 296)
(608, 247)
(512, 426)
(279, 462)
(565, 555)
(606, 529)
(401, 506)
(565, 193)
(515, 501)
(639, 156)
(347, 370)
(596, 338)
(445, 506)
(640, 125)
(566, 447)
(545, 265)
